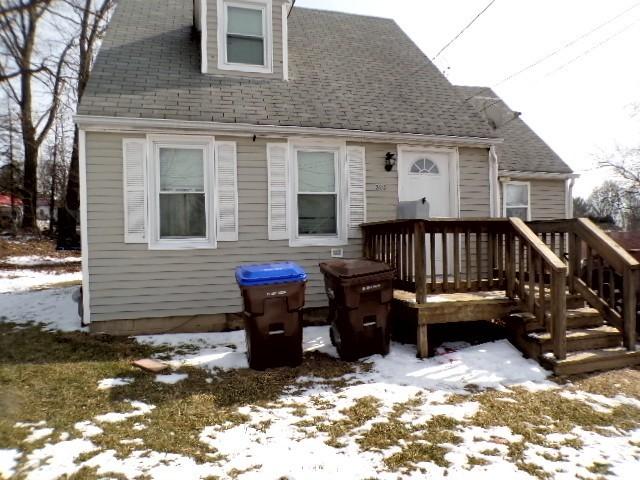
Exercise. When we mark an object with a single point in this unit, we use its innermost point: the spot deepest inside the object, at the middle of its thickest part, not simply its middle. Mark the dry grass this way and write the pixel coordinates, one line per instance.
(53, 376)
(39, 247)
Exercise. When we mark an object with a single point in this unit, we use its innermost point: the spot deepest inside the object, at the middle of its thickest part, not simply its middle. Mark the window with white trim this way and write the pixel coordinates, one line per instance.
(181, 191)
(516, 200)
(319, 192)
(245, 35)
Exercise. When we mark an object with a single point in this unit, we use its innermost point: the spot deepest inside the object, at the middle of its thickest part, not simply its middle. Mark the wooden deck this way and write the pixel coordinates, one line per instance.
(567, 291)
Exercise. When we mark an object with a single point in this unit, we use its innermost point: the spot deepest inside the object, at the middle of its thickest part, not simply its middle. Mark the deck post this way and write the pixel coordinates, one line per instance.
(559, 313)
(630, 306)
(422, 339)
(420, 262)
(510, 267)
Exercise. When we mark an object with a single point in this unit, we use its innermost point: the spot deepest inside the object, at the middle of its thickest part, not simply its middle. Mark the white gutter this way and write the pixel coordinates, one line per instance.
(518, 174)
(151, 125)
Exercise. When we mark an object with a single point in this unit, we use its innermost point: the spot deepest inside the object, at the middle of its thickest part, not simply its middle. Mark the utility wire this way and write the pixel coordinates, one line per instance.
(558, 50)
(464, 29)
(573, 60)
(589, 50)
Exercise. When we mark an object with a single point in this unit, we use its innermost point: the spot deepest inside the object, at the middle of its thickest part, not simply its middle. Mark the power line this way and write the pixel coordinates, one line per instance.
(589, 50)
(558, 50)
(464, 29)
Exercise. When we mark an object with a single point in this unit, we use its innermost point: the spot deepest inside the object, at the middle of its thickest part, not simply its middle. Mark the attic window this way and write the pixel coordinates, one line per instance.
(245, 36)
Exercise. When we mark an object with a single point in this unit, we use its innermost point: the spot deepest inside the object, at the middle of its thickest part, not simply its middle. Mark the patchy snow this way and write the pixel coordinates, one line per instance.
(600, 403)
(8, 461)
(108, 383)
(38, 434)
(88, 429)
(30, 260)
(139, 409)
(56, 460)
(54, 308)
(171, 378)
(22, 280)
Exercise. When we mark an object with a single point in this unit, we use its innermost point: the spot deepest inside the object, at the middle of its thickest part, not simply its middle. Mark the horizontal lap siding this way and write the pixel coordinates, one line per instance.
(474, 182)
(547, 199)
(129, 281)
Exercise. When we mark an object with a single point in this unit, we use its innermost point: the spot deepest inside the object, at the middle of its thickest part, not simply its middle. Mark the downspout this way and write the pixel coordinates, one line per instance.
(569, 197)
(494, 189)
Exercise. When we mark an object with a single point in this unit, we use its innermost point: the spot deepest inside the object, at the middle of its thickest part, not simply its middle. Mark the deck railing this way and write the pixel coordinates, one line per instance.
(600, 270)
(533, 262)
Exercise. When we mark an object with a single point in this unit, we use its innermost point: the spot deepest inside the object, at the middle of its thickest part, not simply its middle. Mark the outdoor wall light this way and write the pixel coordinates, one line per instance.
(389, 161)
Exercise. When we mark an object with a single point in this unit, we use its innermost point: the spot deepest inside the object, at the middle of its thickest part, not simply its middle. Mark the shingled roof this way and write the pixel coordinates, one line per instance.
(523, 149)
(346, 72)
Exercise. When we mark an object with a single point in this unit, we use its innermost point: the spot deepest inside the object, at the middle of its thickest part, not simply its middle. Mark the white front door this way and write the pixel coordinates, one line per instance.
(429, 176)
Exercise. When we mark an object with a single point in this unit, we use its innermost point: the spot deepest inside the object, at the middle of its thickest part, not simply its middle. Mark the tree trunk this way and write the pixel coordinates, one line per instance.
(68, 216)
(30, 183)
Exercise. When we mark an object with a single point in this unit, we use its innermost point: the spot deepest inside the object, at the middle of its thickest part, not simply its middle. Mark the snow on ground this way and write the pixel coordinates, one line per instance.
(8, 461)
(30, 260)
(54, 308)
(22, 280)
(139, 409)
(108, 383)
(171, 378)
(274, 443)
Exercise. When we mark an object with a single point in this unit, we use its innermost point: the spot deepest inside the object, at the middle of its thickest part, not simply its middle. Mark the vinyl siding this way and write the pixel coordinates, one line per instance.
(129, 281)
(212, 42)
(547, 199)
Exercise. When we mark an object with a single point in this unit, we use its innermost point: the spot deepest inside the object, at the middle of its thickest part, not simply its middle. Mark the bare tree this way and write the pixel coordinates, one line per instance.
(91, 18)
(625, 164)
(53, 169)
(607, 203)
(25, 67)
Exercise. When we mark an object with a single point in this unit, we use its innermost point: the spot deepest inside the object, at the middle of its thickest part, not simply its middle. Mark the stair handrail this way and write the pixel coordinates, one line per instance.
(558, 295)
(624, 265)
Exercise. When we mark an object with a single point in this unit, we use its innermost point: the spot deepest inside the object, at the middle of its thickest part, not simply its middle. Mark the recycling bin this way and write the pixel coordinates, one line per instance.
(360, 294)
(273, 296)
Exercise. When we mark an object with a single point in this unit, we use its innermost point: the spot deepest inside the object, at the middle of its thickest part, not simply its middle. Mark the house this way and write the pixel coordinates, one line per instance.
(226, 132)
(10, 211)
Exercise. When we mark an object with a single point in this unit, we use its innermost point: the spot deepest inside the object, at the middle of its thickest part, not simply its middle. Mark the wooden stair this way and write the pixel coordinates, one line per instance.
(592, 344)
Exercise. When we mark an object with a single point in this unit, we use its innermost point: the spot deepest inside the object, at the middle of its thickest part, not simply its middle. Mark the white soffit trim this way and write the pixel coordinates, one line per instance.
(506, 175)
(84, 239)
(148, 125)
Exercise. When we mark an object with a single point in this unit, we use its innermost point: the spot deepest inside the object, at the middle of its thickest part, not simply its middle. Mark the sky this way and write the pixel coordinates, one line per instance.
(583, 101)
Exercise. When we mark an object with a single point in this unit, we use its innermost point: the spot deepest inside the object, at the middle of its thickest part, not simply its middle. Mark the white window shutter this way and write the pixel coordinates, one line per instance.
(278, 191)
(227, 191)
(357, 190)
(135, 190)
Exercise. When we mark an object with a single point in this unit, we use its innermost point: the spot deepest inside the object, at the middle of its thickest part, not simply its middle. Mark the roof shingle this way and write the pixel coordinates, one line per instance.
(523, 149)
(346, 72)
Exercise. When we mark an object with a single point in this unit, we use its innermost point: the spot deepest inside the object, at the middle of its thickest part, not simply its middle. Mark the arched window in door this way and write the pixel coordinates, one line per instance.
(424, 166)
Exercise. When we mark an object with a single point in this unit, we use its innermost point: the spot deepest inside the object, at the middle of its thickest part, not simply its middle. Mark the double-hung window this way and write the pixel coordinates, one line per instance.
(181, 200)
(516, 200)
(319, 211)
(245, 35)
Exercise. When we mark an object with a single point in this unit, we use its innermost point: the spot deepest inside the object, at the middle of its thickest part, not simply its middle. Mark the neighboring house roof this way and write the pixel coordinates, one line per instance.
(346, 72)
(522, 149)
(5, 201)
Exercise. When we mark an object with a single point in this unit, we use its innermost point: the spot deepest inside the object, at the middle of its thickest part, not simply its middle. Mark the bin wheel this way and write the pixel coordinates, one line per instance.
(254, 359)
(347, 354)
(385, 340)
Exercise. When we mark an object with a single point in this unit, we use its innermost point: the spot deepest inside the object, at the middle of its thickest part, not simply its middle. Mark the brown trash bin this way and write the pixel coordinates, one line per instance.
(360, 294)
(273, 313)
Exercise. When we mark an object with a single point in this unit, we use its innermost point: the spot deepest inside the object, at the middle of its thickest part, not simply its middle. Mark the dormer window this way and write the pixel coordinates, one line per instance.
(245, 36)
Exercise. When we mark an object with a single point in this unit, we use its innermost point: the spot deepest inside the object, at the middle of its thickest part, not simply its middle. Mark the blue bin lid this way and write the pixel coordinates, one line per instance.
(269, 273)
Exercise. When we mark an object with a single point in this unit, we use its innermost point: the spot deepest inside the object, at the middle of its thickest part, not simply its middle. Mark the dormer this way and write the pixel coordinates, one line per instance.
(243, 37)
